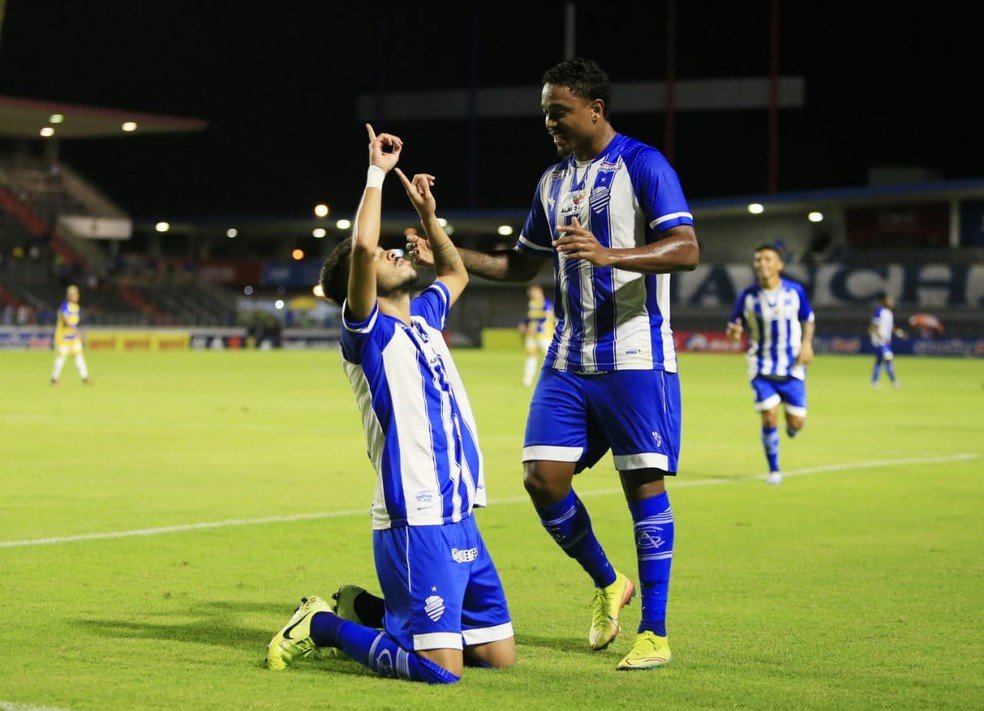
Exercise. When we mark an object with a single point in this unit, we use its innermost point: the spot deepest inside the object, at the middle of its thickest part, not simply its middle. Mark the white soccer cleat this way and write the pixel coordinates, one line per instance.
(774, 478)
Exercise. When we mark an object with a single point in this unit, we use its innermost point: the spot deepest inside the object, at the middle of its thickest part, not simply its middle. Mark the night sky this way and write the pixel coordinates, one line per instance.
(885, 86)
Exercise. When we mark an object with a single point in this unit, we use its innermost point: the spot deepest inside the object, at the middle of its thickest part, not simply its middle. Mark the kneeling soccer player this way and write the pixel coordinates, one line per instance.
(444, 600)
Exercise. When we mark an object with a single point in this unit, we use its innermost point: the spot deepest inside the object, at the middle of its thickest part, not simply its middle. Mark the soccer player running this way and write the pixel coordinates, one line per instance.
(537, 330)
(68, 337)
(880, 330)
(777, 316)
(612, 217)
(444, 599)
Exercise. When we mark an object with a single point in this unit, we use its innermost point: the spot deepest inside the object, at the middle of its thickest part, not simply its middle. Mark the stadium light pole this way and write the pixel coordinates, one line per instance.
(773, 96)
(669, 127)
(570, 27)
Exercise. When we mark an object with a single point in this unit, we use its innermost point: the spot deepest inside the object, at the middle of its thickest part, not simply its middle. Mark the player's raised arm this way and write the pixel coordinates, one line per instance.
(447, 262)
(384, 153)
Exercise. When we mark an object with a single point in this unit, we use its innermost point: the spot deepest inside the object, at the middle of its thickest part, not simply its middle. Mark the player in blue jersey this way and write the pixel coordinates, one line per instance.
(880, 330)
(537, 330)
(444, 602)
(779, 322)
(612, 218)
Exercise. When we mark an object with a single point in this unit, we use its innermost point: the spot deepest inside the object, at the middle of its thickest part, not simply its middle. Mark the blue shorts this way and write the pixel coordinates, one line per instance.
(769, 392)
(883, 353)
(577, 418)
(440, 587)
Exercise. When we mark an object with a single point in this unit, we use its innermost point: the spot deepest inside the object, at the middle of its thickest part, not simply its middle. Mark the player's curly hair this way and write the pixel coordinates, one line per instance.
(584, 78)
(335, 272)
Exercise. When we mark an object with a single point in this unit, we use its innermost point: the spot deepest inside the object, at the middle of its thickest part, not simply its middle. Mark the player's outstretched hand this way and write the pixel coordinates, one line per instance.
(384, 150)
(419, 192)
(734, 330)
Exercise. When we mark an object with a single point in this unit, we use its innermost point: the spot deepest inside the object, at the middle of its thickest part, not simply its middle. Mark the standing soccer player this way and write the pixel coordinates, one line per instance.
(444, 599)
(68, 337)
(537, 329)
(880, 330)
(777, 316)
(612, 217)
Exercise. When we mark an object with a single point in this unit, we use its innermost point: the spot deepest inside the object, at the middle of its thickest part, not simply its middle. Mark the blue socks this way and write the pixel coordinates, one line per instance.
(890, 369)
(568, 523)
(770, 441)
(376, 650)
(654, 549)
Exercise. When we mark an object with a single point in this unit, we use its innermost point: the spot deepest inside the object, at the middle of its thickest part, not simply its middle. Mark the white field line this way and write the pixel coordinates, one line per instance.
(823, 469)
(14, 706)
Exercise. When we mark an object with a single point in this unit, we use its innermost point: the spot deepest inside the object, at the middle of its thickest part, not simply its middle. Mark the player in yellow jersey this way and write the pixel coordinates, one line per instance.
(68, 338)
(538, 327)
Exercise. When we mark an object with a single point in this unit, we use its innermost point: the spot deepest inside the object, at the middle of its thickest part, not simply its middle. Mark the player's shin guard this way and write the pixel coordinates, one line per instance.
(654, 530)
(529, 370)
(376, 650)
(59, 364)
(570, 525)
(770, 442)
(81, 366)
(890, 369)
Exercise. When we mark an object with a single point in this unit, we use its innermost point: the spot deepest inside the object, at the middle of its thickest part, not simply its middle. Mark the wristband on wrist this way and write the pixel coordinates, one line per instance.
(374, 177)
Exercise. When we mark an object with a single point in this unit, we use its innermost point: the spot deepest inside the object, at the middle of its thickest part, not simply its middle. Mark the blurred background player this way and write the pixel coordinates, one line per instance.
(68, 337)
(537, 329)
(880, 330)
(444, 598)
(777, 316)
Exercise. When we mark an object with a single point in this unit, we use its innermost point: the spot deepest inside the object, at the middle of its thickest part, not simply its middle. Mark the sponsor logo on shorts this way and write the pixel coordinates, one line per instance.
(459, 555)
(434, 607)
(657, 438)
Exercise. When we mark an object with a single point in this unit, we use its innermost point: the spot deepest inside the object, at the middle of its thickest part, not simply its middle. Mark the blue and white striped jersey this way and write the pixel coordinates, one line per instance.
(773, 320)
(884, 322)
(609, 319)
(420, 432)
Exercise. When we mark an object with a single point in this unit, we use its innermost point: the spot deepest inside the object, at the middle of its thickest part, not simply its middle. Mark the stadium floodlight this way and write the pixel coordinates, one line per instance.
(129, 126)
(248, 290)
(756, 208)
(442, 222)
(815, 216)
(297, 254)
(232, 232)
(318, 232)
(505, 230)
(56, 118)
(343, 224)
(47, 131)
(318, 291)
(278, 304)
(162, 226)
(321, 210)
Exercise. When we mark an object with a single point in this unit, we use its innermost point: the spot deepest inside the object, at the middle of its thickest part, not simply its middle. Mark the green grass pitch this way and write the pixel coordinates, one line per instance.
(855, 584)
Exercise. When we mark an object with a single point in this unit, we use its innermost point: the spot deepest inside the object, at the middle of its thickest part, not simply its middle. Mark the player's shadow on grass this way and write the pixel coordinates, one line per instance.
(209, 623)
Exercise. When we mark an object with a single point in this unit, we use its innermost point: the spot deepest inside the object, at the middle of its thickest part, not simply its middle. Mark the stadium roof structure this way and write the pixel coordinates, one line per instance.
(22, 118)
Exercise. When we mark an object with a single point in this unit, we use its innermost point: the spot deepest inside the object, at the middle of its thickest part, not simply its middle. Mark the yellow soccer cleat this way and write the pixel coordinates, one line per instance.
(605, 608)
(650, 651)
(294, 640)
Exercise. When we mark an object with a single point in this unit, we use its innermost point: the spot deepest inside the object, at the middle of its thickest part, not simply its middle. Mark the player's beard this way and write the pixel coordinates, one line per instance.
(403, 286)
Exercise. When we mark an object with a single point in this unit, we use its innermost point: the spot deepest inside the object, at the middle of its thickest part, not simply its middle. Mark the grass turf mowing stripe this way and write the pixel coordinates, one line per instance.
(962, 457)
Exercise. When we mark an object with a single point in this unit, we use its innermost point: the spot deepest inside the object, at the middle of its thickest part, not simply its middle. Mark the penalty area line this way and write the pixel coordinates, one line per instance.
(229, 523)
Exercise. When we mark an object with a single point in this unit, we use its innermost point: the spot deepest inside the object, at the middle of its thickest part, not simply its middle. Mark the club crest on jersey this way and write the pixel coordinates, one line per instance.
(434, 607)
(600, 197)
